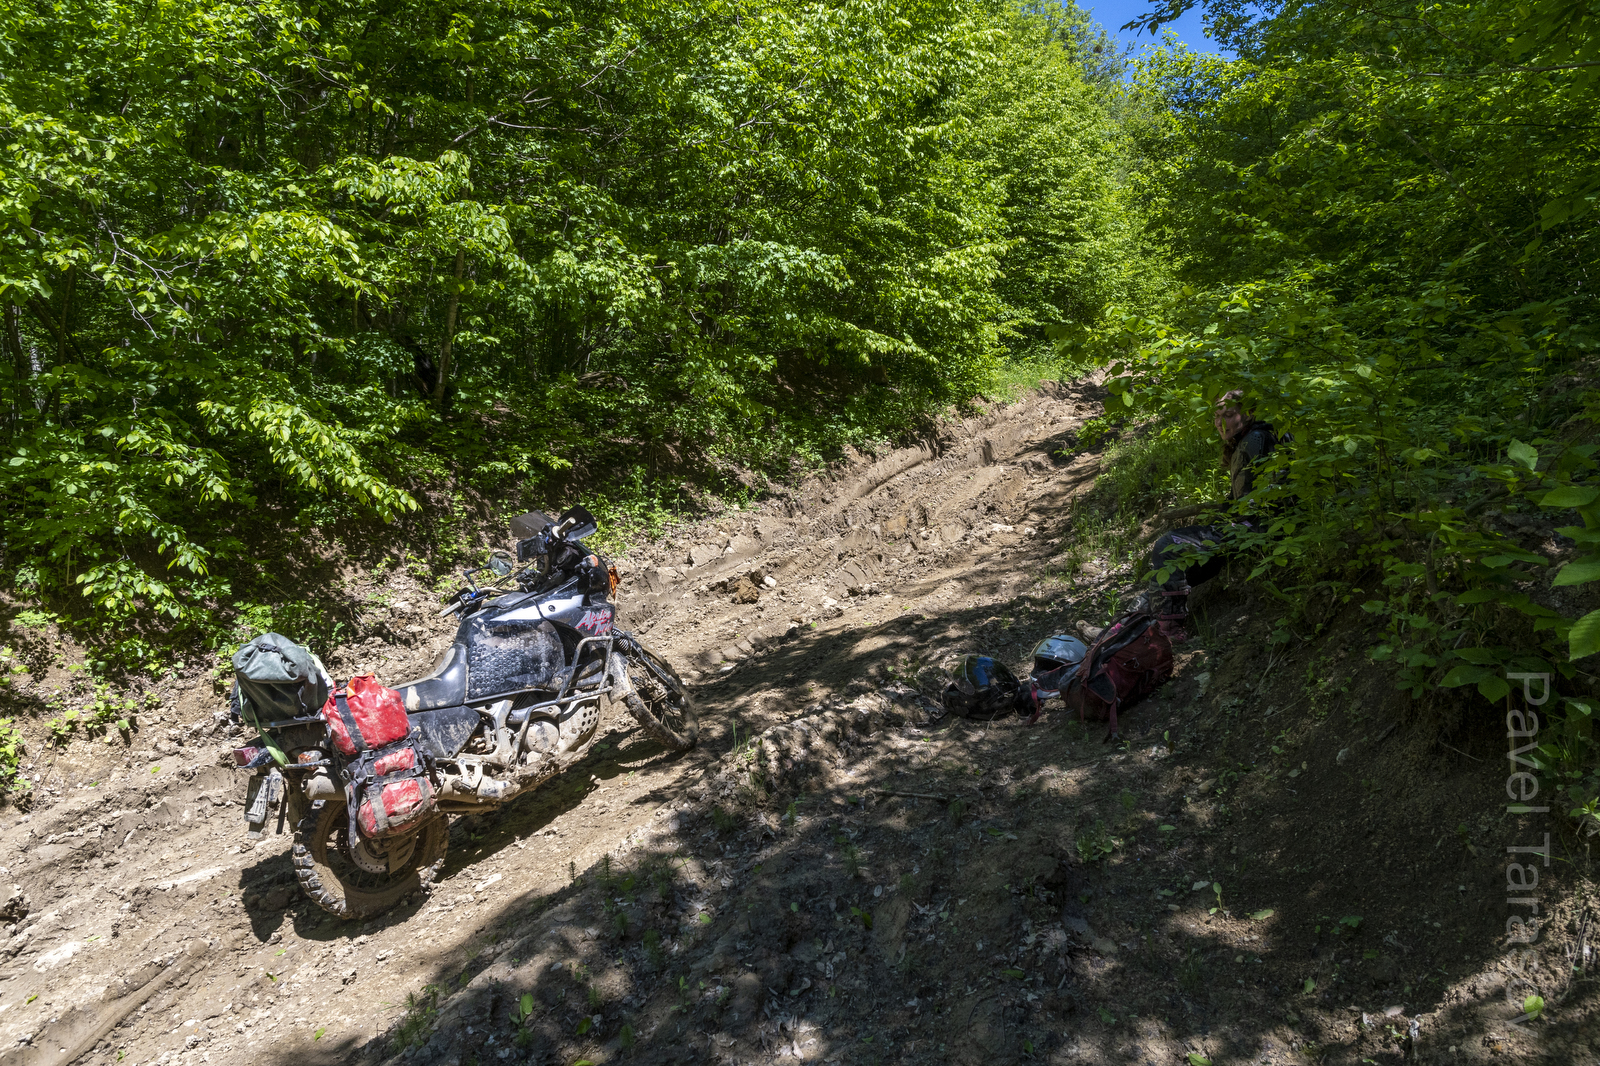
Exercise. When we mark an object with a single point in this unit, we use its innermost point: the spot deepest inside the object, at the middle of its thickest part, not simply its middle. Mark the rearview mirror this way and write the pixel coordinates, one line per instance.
(577, 523)
(500, 563)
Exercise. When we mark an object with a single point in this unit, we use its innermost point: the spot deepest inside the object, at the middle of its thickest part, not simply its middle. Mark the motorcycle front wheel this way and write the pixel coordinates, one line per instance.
(366, 881)
(659, 701)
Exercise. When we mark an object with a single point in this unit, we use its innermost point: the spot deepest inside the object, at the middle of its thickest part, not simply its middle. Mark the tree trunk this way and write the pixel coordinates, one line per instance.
(449, 330)
(13, 341)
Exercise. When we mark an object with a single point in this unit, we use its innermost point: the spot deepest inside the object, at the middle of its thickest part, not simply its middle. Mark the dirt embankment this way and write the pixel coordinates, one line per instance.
(1277, 866)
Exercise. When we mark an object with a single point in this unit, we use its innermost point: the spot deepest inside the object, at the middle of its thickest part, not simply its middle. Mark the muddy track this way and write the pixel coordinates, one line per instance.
(152, 925)
(837, 873)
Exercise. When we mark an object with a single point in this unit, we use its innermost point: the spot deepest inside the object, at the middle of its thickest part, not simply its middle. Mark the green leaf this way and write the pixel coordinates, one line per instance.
(1570, 496)
(1197, 1059)
(1578, 572)
(1262, 914)
(1523, 454)
(1493, 688)
(1584, 639)
(1310, 986)
(1465, 674)
(1533, 1007)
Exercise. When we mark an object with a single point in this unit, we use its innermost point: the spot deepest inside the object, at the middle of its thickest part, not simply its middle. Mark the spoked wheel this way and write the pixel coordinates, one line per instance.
(372, 877)
(659, 700)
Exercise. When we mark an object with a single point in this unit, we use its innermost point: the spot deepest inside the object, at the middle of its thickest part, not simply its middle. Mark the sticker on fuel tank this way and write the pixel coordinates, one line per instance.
(596, 622)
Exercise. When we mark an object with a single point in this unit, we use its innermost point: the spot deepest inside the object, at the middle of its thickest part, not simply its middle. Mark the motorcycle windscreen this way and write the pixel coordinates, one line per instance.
(581, 523)
(527, 525)
(510, 657)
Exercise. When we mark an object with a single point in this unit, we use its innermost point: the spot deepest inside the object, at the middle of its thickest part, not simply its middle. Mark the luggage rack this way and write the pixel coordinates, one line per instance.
(287, 722)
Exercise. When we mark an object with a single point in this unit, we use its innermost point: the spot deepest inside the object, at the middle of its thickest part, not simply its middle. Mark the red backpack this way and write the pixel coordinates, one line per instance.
(1128, 662)
(386, 777)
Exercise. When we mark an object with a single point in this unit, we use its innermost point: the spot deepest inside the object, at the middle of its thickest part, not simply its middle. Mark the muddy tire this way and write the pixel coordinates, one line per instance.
(659, 701)
(348, 888)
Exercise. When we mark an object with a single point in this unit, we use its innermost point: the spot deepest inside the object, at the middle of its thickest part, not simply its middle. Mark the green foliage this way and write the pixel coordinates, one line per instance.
(323, 263)
(653, 949)
(11, 749)
(1379, 222)
(62, 727)
(415, 1025)
(1096, 842)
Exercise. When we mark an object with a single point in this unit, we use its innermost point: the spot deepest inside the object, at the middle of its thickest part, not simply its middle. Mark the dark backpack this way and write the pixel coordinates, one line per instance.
(1128, 662)
(277, 682)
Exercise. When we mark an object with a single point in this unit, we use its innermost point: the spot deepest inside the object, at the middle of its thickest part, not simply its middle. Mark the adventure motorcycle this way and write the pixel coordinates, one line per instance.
(513, 701)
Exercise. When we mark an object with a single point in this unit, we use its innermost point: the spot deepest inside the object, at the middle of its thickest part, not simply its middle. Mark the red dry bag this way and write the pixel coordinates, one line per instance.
(386, 777)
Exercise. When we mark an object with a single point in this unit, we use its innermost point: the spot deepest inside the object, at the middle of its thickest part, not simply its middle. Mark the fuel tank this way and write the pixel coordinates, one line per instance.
(509, 653)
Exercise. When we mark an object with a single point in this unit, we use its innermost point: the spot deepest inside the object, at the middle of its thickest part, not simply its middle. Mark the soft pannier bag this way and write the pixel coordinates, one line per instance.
(386, 775)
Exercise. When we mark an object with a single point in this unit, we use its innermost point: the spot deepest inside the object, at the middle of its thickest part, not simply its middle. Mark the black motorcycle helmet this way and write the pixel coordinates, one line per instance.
(984, 689)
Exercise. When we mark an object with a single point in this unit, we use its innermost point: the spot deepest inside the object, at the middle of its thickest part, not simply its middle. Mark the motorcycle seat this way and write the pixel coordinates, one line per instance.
(445, 687)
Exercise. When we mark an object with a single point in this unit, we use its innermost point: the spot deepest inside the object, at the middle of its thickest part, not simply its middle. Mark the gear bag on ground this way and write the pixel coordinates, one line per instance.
(1128, 661)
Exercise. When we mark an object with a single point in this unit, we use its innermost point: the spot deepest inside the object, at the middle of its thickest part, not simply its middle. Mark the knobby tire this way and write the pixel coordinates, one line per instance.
(331, 878)
(659, 701)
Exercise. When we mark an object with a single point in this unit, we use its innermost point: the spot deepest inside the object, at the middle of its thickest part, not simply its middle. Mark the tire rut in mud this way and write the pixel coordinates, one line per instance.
(123, 873)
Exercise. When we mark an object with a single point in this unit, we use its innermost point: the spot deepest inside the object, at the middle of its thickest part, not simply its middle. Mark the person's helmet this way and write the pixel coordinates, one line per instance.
(1053, 653)
(983, 688)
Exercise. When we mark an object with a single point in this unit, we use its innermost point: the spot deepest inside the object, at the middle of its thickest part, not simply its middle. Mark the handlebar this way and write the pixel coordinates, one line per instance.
(466, 597)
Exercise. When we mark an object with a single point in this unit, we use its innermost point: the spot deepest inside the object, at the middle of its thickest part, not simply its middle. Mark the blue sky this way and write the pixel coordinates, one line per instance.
(1113, 13)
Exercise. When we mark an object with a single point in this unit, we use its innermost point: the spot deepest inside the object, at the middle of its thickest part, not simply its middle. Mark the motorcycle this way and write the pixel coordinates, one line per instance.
(513, 701)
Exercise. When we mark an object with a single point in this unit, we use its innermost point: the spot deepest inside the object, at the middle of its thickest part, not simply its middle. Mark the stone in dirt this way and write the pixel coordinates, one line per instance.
(15, 907)
(741, 547)
(746, 591)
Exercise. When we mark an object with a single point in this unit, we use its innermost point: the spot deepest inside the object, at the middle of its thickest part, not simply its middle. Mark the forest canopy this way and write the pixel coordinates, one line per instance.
(268, 267)
(1381, 223)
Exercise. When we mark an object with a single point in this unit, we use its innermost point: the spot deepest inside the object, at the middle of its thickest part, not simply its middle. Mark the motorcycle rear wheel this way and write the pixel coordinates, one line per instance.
(342, 885)
(659, 701)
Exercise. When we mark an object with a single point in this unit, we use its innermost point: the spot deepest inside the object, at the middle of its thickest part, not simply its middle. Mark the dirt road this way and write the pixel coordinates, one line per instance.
(836, 874)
